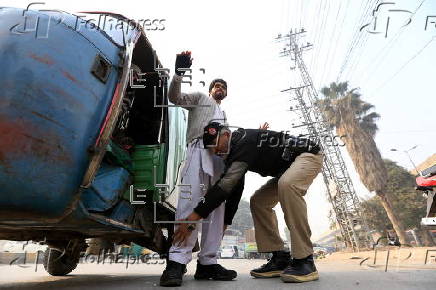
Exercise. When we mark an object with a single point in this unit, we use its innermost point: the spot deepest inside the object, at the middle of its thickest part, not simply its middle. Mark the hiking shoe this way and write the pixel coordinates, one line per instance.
(300, 270)
(275, 265)
(172, 276)
(214, 272)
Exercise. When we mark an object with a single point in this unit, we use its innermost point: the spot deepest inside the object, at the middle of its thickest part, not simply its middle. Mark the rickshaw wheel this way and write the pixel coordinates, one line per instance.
(58, 263)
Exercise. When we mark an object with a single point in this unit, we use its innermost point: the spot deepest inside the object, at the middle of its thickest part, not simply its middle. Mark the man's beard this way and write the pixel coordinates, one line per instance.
(219, 97)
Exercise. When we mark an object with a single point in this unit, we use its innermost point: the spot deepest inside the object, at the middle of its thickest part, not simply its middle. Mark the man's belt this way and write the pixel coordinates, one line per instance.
(296, 146)
(315, 149)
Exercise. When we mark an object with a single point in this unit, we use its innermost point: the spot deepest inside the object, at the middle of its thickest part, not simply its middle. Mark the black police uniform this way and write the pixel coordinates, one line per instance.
(266, 152)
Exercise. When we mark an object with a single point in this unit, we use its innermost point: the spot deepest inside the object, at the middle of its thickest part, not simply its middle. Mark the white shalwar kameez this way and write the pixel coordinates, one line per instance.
(201, 170)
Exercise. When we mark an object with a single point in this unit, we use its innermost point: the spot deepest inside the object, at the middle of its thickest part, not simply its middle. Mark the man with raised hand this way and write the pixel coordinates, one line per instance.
(202, 168)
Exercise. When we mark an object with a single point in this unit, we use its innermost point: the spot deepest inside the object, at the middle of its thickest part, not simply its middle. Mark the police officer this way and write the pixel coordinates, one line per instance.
(293, 163)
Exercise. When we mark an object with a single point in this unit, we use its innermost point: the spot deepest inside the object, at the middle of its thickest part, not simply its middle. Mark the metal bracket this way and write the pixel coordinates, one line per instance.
(101, 68)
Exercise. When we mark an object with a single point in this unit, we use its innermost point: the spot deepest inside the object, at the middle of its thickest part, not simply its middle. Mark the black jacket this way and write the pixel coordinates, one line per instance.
(268, 153)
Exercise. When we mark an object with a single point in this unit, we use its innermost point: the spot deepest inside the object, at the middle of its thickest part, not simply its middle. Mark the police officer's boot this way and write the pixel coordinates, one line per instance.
(214, 272)
(300, 270)
(276, 264)
(173, 274)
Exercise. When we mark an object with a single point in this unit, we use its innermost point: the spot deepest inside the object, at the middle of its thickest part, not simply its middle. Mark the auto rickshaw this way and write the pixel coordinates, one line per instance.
(89, 145)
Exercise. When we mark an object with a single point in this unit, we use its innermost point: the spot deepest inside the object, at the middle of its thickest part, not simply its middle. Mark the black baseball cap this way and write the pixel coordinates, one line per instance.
(211, 131)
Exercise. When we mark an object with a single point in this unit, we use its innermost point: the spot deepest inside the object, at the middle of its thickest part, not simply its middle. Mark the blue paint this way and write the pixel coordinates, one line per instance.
(123, 212)
(51, 111)
(107, 187)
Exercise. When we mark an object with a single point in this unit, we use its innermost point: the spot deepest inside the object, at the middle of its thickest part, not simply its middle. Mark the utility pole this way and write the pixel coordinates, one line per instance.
(340, 190)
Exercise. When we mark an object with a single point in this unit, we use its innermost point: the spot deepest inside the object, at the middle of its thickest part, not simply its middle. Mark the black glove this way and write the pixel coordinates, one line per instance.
(183, 61)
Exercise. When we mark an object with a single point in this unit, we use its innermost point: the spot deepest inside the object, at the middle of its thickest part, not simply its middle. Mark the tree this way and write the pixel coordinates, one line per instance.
(243, 220)
(407, 202)
(352, 117)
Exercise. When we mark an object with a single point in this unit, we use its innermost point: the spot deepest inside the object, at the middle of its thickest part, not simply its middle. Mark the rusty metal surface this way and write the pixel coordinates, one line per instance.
(111, 119)
(51, 110)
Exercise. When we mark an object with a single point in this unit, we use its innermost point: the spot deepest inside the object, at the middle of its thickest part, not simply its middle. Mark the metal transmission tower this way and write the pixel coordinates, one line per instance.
(341, 193)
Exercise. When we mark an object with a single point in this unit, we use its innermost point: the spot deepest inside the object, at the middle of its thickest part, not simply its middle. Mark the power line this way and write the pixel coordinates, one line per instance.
(340, 189)
(317, 34)
(326, 66)
(338, 38)
(381, 56)
(301, 12)
(320, 44)
(405, 64)
(316, 37)
(407, 131)
(353, 40)
(360, 43)
(356, 37)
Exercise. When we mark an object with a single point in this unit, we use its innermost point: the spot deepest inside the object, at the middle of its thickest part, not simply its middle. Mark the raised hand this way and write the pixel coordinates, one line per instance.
(265, 126)
(183, 60)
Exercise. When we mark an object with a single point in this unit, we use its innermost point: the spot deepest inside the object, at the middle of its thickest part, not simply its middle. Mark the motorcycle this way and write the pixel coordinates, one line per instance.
(426, 182)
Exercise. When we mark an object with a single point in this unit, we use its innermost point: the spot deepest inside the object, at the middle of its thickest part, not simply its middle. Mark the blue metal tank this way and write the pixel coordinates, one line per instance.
(56, 85)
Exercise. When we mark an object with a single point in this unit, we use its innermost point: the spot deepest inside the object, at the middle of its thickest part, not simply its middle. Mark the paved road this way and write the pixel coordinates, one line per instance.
(333, 275)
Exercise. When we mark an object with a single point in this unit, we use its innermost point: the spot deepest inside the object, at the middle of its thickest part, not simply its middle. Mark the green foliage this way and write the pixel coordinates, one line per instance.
(408, 204)
(375, 215)
(338, 101)
(243, 220)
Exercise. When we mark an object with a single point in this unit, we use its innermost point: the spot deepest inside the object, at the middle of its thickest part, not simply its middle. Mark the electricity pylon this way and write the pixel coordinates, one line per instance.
(340, 189)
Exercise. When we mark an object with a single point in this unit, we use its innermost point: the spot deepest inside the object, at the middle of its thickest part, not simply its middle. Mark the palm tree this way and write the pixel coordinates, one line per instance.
(345, 111)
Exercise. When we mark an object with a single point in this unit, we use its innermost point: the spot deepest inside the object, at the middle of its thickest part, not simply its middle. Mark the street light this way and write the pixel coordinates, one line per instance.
(410, 158)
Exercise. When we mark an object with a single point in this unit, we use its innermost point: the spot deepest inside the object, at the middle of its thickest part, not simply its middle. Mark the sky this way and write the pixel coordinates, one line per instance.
(235, 40)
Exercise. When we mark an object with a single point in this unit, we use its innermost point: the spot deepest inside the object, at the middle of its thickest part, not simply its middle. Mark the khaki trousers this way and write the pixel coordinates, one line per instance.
(289, 190)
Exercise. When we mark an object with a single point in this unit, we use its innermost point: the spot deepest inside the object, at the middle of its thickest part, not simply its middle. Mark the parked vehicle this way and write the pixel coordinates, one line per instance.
(250, 252)
(319, 252)
(229, 252)
(426, 182)
(88, 147)
(22, 247)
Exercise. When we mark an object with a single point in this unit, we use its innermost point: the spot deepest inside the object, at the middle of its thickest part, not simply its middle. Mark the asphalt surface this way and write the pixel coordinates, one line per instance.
(347, 274)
